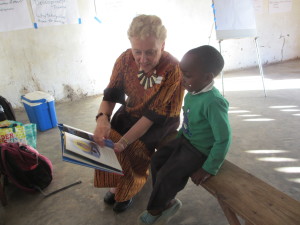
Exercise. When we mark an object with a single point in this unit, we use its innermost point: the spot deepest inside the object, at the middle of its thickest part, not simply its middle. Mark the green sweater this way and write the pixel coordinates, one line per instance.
(206, 126)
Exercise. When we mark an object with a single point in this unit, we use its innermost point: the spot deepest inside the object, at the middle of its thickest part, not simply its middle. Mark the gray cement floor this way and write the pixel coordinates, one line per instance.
(265, 143)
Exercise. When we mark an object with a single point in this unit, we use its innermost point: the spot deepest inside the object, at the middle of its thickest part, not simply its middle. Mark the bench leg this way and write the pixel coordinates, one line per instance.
(230, 215)
(2, 191)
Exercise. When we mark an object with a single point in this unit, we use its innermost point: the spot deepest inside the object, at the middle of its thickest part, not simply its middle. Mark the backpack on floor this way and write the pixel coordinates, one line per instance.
(25, 167)
(8, 110)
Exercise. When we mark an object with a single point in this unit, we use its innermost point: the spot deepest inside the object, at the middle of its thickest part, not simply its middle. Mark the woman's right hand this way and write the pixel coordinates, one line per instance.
(102, 130)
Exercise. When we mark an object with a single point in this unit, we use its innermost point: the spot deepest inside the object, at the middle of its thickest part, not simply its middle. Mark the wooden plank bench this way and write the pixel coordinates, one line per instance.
(239, 193)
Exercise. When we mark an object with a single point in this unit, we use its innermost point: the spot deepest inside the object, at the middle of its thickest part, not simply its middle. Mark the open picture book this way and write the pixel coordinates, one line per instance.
(78, 147)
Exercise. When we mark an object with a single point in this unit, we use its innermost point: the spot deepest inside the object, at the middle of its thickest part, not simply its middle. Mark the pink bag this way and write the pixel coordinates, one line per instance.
(25, 167)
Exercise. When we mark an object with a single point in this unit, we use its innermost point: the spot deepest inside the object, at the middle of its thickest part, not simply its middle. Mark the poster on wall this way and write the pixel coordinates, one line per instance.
(57, 12)
(280, 6)
(14, 15)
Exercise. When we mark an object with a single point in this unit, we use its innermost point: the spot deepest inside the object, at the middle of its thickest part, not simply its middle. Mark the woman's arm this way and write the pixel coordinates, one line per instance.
(102, 129)
(135, 132)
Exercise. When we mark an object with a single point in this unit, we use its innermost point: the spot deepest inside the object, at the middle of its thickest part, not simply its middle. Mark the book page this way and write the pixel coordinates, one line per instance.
(91, 150)
(77, 132)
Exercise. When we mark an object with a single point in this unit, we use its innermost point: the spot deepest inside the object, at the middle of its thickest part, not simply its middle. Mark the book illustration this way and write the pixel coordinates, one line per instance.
(89, 148)
(79, 148)
(108, 155)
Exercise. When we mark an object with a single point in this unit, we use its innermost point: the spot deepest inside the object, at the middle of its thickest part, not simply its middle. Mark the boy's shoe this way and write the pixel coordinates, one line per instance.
(147, 219)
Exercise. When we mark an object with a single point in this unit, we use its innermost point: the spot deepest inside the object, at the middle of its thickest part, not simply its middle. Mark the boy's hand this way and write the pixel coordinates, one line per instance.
(200, 176)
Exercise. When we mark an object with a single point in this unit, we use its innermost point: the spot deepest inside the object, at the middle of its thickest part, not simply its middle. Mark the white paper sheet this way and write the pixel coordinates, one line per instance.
(234, 15)
(234, 19)
(258, 6)
(55, 12)
(115, 11)
(279, 6)
(14, 15)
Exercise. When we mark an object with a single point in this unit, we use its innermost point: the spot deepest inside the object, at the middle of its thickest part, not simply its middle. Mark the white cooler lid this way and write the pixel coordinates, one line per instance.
(37, 95)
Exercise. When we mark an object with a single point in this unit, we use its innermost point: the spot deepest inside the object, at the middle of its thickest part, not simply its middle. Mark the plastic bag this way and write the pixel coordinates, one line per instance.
(14, 131)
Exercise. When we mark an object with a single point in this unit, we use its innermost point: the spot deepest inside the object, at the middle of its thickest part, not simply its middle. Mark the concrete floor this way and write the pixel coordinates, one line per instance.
(265, 143)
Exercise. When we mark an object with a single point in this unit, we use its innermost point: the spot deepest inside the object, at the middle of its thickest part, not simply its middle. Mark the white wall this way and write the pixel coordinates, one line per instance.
(73, 61)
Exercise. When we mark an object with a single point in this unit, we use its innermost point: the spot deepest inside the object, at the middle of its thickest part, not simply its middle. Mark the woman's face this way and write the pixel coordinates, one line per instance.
(146, 52)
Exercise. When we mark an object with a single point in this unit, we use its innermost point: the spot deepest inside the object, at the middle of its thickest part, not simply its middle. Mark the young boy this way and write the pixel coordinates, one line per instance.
(202, 143)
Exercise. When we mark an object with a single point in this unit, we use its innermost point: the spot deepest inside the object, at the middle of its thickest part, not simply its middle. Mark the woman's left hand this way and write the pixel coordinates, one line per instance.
(200, 176)
(119, 147)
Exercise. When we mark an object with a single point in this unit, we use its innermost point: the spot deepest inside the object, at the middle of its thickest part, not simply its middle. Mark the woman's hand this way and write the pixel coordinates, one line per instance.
(200, 176)
(119, 147)
(102, 130)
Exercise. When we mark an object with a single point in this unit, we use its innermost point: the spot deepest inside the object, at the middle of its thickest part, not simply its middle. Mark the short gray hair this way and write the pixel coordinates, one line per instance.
(144, 26)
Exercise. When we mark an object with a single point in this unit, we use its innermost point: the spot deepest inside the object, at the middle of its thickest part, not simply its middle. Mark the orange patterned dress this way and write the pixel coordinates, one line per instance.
(160, 103)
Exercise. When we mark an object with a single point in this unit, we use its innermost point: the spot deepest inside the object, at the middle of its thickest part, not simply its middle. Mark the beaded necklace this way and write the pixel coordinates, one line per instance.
(148, 82)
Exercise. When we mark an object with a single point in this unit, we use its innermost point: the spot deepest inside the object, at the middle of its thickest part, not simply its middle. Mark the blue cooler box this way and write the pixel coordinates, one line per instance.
(40, 109)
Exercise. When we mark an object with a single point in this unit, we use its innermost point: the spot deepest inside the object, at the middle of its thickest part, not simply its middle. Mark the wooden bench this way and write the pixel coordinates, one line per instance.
(239, 193)
(242, 195)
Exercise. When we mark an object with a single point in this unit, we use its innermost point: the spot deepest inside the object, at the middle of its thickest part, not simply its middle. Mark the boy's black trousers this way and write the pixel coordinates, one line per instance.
(171, 167)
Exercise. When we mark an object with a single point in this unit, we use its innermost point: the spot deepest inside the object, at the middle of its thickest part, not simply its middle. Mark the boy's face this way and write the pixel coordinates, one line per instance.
(193, 79)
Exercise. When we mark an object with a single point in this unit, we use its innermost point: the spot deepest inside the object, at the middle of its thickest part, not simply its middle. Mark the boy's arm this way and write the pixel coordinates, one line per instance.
(218, 118)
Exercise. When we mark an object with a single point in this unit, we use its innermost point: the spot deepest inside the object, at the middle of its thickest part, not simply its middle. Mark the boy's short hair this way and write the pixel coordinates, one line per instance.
(209, 58)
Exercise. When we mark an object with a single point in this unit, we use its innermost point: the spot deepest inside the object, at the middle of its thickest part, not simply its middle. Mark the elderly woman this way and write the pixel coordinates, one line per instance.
(150, 78)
